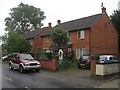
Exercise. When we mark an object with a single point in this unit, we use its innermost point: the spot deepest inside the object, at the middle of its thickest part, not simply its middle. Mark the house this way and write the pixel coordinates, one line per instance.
(35, 37)
(89, 35)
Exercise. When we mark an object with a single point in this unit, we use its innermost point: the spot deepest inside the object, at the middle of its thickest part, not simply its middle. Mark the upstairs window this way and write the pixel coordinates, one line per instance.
(80, 34)
(46, 39)
(68, 34)
(30, 42)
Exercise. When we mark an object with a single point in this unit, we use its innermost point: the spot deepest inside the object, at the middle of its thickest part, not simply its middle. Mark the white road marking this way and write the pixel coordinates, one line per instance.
(27, 88)
(7, 78)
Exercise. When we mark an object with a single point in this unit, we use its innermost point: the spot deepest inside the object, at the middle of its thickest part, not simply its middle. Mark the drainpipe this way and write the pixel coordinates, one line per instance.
(89, 43)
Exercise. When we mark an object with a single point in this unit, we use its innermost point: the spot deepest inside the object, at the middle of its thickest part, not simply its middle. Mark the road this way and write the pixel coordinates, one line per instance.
(29, 80)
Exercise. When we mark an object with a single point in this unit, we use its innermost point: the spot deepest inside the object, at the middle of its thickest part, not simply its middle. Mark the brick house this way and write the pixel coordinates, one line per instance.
(35, 37)
(89, 35)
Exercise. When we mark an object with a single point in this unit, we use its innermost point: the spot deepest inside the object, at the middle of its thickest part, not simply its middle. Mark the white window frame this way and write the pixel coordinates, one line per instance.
(30, 42)
(81, 34)
(68, 34)
(80, 52)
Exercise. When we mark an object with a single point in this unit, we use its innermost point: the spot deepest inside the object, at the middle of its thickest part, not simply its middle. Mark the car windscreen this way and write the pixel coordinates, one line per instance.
(85, 57)
(103, 58)
(26, 57)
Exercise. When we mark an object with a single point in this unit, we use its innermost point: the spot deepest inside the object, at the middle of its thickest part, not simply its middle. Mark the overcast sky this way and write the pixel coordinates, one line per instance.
(65, 10)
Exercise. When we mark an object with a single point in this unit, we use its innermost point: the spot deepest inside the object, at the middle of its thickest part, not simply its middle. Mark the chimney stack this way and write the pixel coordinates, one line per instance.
(49, 24)
(103, 10)
(58, 22)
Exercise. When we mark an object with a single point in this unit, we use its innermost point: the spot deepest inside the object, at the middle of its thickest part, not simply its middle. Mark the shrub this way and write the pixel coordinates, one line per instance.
(49, 55)
(95, 57)
(43, 57)
(66, 64)
(69, 55)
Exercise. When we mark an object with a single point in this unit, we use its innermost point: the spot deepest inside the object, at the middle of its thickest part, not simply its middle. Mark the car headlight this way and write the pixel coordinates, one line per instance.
(38, 63)
(26, 64)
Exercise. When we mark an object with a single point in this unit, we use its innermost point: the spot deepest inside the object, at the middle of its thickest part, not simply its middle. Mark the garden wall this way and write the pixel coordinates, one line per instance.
(51, 64)
(107, 68)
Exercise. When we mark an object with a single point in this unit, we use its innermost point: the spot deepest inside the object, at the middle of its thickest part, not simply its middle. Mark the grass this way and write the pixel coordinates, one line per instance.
(4, 62)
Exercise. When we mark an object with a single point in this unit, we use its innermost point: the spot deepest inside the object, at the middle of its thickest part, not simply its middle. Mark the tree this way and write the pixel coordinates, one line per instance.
(24, 18)
(115, 18)
(15, 42)
(0, 37)
(59, 36)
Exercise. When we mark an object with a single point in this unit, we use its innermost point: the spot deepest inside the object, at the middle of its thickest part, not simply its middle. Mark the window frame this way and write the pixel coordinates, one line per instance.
(68, 34)
(80, 34)
(80, 52)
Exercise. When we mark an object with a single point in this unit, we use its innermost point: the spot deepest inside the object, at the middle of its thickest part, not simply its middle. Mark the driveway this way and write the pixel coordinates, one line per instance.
(83, 77)
(76, 76)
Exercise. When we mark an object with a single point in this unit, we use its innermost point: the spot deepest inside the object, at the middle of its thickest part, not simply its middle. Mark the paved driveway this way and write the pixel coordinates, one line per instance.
(83, 76)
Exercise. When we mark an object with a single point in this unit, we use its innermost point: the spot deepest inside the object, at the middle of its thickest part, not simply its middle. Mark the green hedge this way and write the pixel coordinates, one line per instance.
(43, 56)
(95, 56)
(65, 64)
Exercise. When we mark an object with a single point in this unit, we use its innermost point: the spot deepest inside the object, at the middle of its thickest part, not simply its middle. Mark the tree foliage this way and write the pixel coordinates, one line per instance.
(115, 18)
(24, 17)
(0, 37)
(15, 42)
(59, 36)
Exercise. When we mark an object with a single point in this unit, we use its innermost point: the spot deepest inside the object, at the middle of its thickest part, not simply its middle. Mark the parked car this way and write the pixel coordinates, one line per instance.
(84, 62)
(108, 58)
(22, 62)
(4, 58)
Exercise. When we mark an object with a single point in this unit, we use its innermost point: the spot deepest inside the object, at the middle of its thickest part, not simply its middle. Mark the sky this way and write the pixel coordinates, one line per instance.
(64, 10)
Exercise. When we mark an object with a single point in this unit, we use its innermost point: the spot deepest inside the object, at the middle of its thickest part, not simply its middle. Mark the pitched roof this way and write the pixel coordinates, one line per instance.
(78, 24)
(46, 32)
(32, 34)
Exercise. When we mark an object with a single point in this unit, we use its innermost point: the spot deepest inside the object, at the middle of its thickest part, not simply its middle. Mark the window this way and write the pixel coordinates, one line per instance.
(46, 39)
(68, 34)
(30, 42)
(80, 34)
(80, 52)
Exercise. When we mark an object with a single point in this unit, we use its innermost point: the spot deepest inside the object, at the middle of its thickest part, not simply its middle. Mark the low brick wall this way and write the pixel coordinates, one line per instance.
(107, 68)
(49, 64)
(93, 66)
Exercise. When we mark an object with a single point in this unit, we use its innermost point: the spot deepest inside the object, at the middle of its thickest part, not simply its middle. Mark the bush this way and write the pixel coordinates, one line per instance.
(66, 64)
(95, 57)
(44, 56)
(49, 56)
(69, 55)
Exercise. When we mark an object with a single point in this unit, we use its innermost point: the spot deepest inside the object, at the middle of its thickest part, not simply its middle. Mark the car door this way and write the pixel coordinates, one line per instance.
(16, 61)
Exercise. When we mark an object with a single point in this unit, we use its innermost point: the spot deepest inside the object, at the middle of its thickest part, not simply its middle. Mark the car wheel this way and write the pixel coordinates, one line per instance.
(21, 69)
(37, 70)
(10, 66)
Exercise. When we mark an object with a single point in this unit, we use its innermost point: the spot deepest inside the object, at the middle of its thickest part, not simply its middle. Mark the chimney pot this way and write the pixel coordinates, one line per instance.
(103, 10)
(49, 24)
(58, 22)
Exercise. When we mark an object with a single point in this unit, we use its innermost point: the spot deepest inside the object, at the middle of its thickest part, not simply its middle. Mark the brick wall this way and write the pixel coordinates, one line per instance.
(80, 43)
(47, 44)
(103, 36)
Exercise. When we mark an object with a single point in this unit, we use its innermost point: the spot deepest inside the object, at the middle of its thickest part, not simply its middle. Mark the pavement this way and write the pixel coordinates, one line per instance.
(83, 76)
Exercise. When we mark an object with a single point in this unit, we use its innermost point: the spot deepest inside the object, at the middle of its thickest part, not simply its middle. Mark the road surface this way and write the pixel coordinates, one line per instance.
(29, 80)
